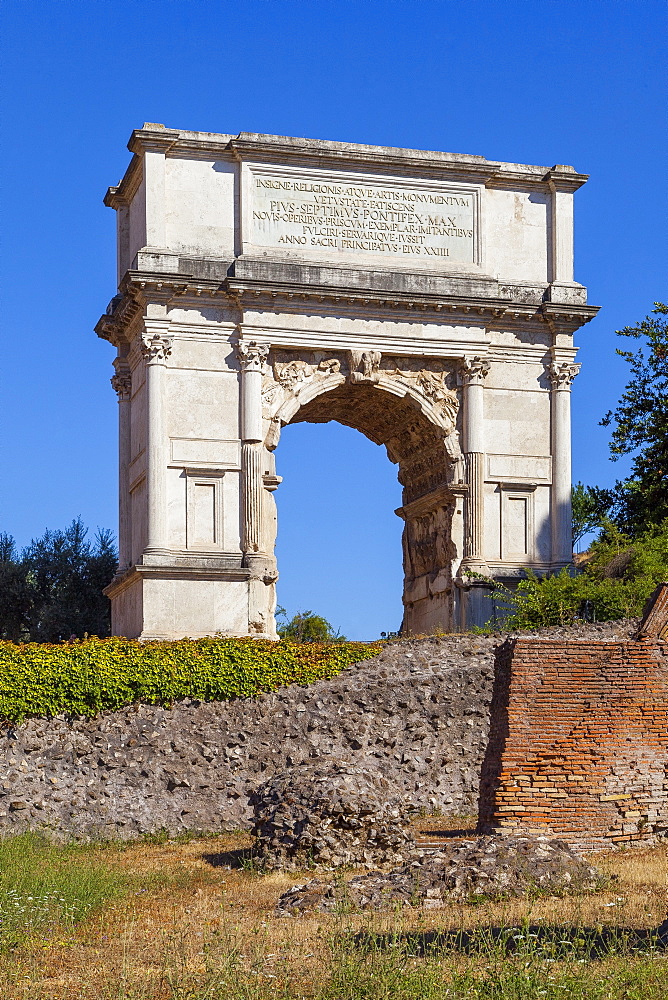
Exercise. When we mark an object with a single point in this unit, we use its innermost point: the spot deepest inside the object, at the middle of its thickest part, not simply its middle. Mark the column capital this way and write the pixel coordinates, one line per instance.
(473, 370)
(121, 383)
(561, 375)
(156, 348)
(251, 355)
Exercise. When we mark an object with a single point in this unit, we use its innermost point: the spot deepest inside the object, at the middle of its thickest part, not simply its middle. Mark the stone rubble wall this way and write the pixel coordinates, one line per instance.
(418, 712)
(579, 742)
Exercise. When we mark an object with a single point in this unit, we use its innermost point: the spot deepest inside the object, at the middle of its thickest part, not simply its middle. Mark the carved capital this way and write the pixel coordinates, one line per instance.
(121, 383)
(473, 370)
(561, 375)
(156, 348)
(252, 356)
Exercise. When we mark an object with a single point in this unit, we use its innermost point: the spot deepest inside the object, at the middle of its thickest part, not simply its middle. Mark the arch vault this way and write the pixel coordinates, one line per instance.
(425, 299)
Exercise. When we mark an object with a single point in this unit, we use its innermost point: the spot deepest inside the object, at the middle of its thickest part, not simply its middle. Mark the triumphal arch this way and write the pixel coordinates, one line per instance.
(426, 299)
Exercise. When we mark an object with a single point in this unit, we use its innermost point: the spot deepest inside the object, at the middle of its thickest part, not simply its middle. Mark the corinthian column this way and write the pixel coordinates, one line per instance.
(561, 376)
(122, 385)
(156, 348)
(473, 372)
(251, 357)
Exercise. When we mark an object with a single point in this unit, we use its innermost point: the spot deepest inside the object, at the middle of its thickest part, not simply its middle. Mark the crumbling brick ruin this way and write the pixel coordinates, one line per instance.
(579, 737)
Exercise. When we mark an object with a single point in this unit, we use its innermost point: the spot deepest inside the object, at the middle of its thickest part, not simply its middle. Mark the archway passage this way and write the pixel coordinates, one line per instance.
(338, 545)
(420, 449)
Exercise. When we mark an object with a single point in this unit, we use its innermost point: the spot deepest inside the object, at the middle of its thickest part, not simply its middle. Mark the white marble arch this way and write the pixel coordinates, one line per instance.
(425, 298)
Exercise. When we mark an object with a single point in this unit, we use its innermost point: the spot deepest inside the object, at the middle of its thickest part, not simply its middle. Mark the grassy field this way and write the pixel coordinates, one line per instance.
(193, 920)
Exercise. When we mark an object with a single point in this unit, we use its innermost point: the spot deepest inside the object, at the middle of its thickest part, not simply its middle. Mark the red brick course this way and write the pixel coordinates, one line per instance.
(579, 742)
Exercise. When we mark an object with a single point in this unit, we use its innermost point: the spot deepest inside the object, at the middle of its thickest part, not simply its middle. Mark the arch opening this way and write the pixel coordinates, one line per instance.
(424, 447)
(339, 541)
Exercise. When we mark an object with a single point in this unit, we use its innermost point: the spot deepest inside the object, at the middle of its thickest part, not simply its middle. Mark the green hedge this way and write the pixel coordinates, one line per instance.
(96, 675)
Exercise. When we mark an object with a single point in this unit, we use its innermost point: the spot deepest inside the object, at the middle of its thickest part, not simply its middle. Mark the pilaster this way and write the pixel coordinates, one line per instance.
(561, 375)
(122, 384)
(156, 347)
(155, 193)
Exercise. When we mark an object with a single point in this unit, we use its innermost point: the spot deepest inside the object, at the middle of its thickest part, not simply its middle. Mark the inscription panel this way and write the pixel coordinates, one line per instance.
(326, 213)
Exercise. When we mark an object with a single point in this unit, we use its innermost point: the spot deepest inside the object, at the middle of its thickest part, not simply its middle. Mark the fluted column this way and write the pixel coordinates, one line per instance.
(473, 372)
(251, 357)
(156, 348)
(561, 376)
(122, 384)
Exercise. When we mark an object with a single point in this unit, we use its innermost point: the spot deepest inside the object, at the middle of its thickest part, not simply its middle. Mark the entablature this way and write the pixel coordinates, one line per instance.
(279, 286)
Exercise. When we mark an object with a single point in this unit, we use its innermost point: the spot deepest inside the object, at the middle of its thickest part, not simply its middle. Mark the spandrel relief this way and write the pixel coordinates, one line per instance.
(431, 382)
(292, 370)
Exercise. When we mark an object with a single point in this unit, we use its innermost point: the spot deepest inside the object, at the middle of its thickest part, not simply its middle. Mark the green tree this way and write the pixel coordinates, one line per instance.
(590, 505)
(640, 424)
(53, 590)
(16, 599)
(616, 581)
(306, 626)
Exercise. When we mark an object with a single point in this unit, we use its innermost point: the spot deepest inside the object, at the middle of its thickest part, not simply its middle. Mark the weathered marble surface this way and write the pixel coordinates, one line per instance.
(424, 298)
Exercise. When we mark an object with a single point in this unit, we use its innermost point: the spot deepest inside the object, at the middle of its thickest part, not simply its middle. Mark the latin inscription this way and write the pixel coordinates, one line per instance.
(393, 220)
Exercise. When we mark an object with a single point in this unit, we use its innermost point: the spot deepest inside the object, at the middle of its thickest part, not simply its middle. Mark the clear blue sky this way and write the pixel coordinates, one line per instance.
(535, 81)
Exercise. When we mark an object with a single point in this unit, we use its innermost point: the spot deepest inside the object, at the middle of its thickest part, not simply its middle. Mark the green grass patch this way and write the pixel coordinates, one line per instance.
(44, 886)
(84, 678)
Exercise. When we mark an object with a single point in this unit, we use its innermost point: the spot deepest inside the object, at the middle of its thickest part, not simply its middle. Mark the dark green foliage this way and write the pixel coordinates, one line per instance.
(641, 426)
(617, 579)
(306, 626)
(53, 589)
(16, 596)
(95, 675)
(590, 505)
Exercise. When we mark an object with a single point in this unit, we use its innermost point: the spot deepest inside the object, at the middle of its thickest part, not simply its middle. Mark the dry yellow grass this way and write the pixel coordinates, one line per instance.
(204, 925)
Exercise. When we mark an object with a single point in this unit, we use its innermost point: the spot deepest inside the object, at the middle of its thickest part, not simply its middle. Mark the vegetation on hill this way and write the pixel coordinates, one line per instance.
(630, 556)
(86, 677)
(617, 576)
(52, 590)
(306, 626)
(640, 427)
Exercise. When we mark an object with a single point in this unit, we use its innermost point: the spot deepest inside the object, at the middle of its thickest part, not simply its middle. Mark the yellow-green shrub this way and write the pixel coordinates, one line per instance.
(95, 675)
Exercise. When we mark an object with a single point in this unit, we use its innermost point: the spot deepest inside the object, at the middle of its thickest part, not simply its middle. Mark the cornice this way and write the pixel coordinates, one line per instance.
(567, 318)
(152, 137)
(257, 147)
(262, 294)
(122, 313)
(122, 193)
(564, 178)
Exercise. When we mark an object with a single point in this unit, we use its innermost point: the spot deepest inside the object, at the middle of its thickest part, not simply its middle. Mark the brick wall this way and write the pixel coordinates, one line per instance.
(579, 741)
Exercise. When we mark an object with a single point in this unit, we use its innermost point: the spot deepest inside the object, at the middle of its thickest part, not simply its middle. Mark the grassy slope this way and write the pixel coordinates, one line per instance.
(182, 921)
